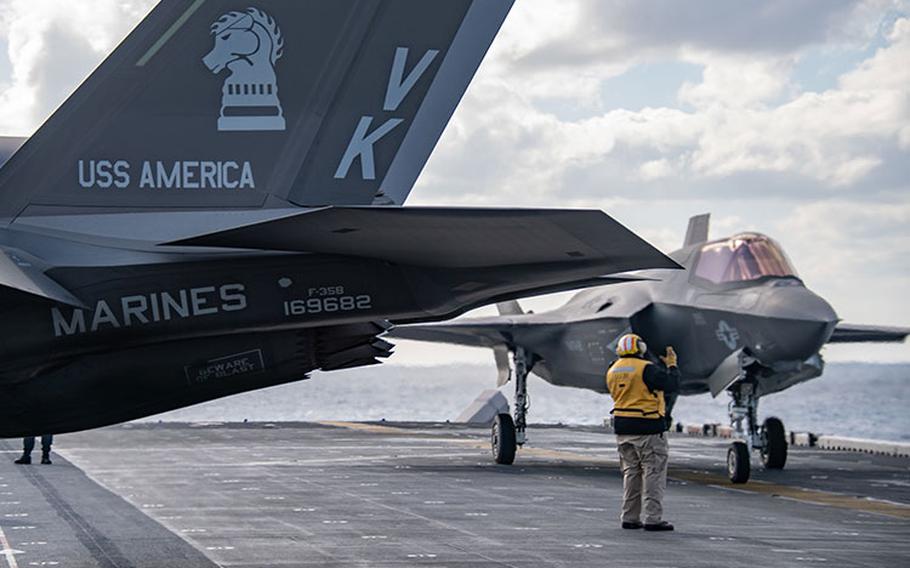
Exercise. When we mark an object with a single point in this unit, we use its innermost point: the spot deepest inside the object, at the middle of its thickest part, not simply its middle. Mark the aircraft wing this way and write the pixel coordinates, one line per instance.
(482, 255)
(853, 333)
(450, 237)
(492, 331)
(474, 332)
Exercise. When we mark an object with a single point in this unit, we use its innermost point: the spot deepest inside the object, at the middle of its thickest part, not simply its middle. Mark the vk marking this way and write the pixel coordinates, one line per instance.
(363, 140)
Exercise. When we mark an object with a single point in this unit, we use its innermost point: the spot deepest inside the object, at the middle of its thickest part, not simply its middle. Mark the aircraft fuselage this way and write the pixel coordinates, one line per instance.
(153, 337)
(160, 336)
(777, 321)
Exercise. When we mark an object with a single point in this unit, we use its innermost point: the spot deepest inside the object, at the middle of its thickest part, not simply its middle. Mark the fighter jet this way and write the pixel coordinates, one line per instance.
(216, 209)
(740, 317)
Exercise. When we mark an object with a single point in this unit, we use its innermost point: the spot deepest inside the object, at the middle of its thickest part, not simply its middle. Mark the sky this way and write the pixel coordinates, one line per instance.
(789, 117)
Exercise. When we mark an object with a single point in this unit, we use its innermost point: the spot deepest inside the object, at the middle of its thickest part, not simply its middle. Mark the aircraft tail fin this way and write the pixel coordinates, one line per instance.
(209, 106)
(698, 230)
(510, 308)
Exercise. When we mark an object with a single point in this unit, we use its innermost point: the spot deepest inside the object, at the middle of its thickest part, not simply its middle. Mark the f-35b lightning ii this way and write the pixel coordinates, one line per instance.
(740, 318)
(214, 209)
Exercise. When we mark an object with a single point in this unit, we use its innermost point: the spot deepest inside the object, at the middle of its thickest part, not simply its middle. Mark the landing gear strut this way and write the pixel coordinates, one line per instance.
(770, 439)
(508, 434)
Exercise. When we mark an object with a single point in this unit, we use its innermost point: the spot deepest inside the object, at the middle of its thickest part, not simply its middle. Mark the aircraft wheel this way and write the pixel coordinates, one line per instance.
(774, 444)
(503, 439)
(738, 466)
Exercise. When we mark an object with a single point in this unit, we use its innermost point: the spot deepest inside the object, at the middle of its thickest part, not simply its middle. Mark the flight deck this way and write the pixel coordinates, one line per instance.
(369, 494)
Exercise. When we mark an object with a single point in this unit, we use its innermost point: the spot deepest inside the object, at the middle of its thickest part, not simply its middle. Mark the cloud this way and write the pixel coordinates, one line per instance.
(52, 47)
(834, 137)
(784, 24)
(873, 236)
(619, 30)
(855, 255)
(743, 126)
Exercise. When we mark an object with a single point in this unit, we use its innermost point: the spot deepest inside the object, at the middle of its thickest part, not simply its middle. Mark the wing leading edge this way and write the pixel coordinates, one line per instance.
(853, 333)
(451, 237)
(479, 332)
(479, 256)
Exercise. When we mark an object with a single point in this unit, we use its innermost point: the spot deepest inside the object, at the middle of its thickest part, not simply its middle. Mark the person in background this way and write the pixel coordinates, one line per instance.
(28, 444)
(637, 387)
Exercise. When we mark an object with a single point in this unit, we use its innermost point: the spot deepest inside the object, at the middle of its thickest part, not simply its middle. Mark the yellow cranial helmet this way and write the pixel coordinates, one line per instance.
(630, 344)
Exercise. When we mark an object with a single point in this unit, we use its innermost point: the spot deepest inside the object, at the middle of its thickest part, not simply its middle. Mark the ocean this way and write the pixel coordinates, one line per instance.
(850, 399)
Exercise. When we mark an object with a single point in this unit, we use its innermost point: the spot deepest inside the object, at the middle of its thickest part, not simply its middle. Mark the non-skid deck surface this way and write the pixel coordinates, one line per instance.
(427, 494)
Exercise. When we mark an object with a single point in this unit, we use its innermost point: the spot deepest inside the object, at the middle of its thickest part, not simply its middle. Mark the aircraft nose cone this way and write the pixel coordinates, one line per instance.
(804, 321)
(799, 303)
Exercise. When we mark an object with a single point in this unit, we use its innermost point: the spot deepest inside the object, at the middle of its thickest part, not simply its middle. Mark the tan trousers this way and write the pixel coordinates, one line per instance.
(643, 459)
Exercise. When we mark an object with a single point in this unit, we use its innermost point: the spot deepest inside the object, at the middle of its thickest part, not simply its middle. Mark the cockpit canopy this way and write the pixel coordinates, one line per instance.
(743, 258)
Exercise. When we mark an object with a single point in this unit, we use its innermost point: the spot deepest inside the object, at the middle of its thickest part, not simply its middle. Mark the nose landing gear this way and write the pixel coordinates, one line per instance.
(502, 440)
(770, 439)
(774, 444)
(738, 467)
(508, 434)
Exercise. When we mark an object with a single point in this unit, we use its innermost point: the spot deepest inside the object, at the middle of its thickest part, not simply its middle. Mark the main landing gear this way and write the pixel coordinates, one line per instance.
(508, 434)
(770, 439)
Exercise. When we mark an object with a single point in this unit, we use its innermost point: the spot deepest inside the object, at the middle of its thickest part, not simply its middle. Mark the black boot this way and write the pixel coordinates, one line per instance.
(661, 526)
(24, 460)
(46, 458)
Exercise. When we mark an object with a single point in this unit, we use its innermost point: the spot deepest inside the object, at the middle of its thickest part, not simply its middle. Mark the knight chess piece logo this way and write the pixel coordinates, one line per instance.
(248, 44)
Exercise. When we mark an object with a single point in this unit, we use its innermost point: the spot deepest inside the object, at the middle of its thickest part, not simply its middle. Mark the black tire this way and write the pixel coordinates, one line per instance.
(503, 439)
(738, 467)
(774, 444)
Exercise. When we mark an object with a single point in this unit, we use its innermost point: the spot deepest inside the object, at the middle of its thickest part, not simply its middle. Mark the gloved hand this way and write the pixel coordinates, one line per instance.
(670, 358)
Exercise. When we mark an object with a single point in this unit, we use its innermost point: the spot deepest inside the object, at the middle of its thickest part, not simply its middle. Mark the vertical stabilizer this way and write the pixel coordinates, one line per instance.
(214, 104)
(698, 230)
(510, 308)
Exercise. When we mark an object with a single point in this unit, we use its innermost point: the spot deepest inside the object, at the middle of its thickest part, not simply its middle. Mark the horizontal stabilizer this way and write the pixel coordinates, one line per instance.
(698, 230)
(850, 333)
(451, 237)
(19, 272)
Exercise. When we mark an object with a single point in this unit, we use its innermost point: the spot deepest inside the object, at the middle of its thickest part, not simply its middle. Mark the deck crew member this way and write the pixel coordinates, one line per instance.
(28, 444)
(640, 422)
